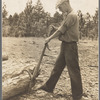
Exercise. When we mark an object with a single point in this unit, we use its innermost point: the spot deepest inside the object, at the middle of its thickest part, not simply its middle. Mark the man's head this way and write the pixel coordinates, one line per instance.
(63, 5)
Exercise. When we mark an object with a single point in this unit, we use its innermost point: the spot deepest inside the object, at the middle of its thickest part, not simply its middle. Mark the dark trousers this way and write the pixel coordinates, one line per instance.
(68, 56)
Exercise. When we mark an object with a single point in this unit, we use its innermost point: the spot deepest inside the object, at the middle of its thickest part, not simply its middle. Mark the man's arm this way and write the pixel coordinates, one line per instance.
(54, 35)
(67, 23)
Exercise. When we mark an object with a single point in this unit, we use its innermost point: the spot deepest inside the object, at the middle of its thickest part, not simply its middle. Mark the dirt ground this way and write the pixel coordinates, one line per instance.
(26, 52)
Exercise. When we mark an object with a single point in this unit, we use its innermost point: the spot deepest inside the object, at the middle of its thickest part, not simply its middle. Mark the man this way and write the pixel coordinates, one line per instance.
(68, 33)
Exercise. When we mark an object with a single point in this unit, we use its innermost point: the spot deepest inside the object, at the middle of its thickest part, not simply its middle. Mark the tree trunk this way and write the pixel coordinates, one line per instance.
(15, 86)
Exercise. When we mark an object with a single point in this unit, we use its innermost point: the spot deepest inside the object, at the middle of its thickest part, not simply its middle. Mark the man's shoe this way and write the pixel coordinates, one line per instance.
(44, 87)
(84, 98)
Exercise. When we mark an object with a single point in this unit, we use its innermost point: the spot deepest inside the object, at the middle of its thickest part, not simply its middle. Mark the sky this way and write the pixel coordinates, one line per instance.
(85, 6)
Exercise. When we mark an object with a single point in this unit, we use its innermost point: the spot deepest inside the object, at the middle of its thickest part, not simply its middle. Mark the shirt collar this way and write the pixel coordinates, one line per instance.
(66, 14)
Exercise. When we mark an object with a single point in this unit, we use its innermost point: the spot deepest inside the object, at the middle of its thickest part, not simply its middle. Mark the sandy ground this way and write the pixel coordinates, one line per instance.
(26, 52)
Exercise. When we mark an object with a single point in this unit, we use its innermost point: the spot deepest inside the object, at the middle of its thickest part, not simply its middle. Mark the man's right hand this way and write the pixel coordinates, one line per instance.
(47, 40)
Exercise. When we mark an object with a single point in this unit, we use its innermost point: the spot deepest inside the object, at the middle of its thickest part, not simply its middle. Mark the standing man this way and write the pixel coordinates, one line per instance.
(68, 33)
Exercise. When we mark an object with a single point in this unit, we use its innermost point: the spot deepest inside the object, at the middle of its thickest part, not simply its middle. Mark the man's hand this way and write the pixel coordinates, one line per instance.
(47, 40)
(51, 27)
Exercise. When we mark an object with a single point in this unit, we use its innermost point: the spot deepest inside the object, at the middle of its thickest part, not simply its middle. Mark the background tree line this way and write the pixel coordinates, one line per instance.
(88, 25)
(34, 21)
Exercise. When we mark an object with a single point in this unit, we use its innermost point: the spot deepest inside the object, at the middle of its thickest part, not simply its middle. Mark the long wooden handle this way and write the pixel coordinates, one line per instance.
(36, 70)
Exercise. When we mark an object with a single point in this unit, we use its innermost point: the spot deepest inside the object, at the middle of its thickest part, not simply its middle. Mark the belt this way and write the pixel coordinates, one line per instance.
(69, 42)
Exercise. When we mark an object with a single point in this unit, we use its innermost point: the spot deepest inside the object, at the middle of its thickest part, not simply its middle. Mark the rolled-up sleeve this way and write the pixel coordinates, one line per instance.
(67, 23)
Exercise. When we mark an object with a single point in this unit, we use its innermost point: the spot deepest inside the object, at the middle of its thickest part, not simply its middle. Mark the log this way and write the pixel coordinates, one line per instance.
(16, 69)
(20, 84)
(15, 86)
(4, 57)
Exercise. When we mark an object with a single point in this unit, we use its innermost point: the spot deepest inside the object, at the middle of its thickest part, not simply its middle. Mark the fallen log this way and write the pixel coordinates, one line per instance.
(4, 57)
(22, 83)
(14, 86)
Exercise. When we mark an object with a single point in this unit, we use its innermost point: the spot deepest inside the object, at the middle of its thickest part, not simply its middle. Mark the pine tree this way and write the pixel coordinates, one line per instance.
(4, 20)
(81, 23)
(26, 20)
(15, 19)
(4, 14)
(10, 20)
(21, 24)
(4, 11)
(96, 22)
(39, 11)
(41, 20)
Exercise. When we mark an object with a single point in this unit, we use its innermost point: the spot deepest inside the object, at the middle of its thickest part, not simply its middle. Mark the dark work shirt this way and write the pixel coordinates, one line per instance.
(69, 28)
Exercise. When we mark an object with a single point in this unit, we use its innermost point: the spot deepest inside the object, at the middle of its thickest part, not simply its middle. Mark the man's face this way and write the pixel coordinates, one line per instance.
(63, 7)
